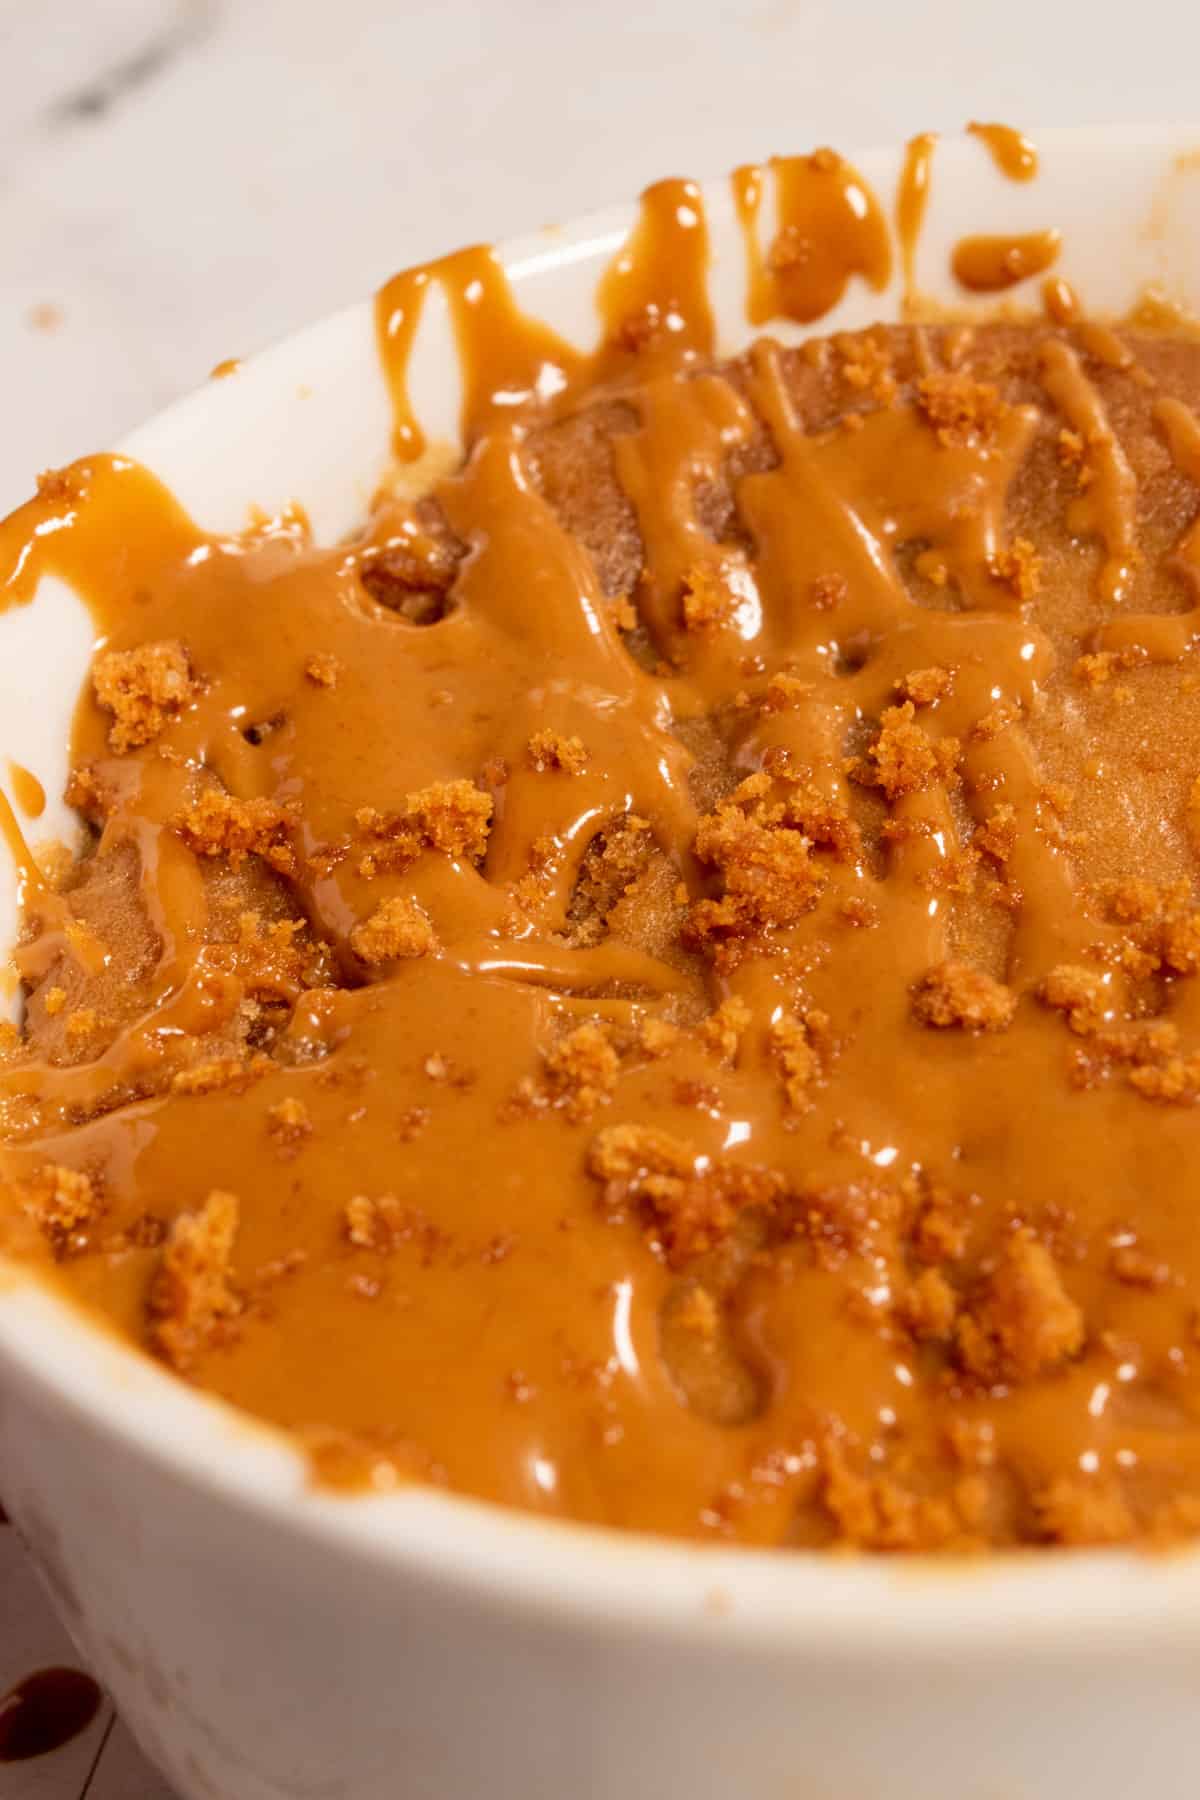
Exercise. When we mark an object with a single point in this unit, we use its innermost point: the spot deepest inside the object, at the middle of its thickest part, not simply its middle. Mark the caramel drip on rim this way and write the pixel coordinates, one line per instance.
(747, 184)
(1010, 150)
(398, 307)
(105, 527)
(988, 265)
(1167, 638)
(912, 198)
(28, 791)
(506, 359)
(1060, 301)
(1107, 505)
(31, 883)
(654, 296)
(829, 227)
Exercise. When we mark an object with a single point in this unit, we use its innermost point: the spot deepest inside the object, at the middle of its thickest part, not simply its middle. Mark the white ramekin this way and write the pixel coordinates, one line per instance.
(268, 1642)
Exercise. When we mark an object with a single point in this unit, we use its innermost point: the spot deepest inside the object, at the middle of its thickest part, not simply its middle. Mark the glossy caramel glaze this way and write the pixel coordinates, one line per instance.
(657, 984)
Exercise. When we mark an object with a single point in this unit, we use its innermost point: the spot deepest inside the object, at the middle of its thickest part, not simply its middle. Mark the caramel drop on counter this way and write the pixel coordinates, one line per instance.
(988, 265)
(229, 365)
(654, 296)
(28, 791)
(1011, 151)
(912, 198)
(45, 1711)
(830, 227)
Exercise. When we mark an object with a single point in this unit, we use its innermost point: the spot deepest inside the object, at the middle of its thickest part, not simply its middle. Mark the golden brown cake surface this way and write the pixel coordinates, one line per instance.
(658, 984)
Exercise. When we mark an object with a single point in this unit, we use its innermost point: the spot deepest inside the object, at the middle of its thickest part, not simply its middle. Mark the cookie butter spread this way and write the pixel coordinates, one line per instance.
(659, 983)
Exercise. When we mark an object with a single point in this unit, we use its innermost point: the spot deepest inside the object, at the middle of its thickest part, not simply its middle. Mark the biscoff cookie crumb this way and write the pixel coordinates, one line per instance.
(924, 686)
(397, 928)
(219, 824)
(144, 689)
(963, 412)
(1083, 1513)
(1083, 993)
(997, 836)
(582, 1069)
(323, 669)
(1020, 567)
(192, 1301)
(723, 1030)
(953, 994)
(1021, 1322)
(904, 759)
(62, 1201)
(708, 597)
(289, 1121)
(551, 750)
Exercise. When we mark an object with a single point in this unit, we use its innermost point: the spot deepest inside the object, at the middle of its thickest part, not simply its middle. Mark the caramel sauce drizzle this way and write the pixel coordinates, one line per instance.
(1010, 150)
(1108, 505)
(1167, 638)
(912, 199)
(829, 226)
(989, 265)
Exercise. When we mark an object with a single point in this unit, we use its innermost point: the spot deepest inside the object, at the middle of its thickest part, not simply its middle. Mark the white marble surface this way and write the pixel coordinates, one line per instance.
(184, 180)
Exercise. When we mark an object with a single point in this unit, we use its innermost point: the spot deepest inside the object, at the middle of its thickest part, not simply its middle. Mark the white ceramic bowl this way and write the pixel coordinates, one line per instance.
(267, 1641)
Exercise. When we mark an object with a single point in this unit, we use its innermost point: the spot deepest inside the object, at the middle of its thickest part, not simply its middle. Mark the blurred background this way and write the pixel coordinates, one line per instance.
(183, 181)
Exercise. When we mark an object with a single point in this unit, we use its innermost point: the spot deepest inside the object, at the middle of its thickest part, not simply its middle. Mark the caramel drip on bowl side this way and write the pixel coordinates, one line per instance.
(28, 791)
(989, 265)
(912, 199)
(1011, 151)
(829, 227)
